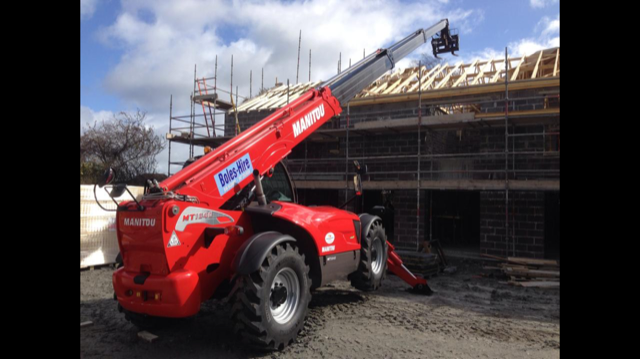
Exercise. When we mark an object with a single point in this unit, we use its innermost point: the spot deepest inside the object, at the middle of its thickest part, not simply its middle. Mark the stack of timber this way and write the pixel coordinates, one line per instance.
(526, 272)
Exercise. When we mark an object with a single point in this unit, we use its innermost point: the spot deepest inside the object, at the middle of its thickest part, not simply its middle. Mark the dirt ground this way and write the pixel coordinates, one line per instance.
(468, 317)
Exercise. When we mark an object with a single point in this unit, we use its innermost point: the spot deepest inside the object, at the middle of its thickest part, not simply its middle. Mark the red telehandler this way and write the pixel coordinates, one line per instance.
(228, 226)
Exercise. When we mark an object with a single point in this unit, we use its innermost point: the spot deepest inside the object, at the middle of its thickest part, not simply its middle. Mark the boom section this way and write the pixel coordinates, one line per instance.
(350, 82)
(220, 174)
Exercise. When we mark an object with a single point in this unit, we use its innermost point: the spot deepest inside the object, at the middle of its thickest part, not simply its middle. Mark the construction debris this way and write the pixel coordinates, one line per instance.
(428, 261)
(426, 264)
(526, 272)
(146, 336)
(537, 284)
(450, 269)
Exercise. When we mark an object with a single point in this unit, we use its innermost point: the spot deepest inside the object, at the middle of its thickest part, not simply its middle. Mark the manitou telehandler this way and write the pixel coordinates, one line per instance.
(228, 226)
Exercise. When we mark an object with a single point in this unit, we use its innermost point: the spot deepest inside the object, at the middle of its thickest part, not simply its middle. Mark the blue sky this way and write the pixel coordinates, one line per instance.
(135, 54)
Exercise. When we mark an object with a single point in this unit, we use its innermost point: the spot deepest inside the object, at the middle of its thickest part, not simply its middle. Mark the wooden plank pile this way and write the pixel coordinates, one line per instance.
(526, 272)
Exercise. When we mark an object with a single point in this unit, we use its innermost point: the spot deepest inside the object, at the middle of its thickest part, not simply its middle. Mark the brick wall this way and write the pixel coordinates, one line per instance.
(405, 202)
(526, 224)
(489, 142)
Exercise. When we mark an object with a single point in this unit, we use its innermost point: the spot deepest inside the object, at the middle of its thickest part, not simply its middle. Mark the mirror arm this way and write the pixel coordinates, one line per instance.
(140, 207)
(348, 201)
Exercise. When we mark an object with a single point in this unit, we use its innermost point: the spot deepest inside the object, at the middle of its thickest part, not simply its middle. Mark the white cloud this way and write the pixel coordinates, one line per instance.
(87, 8)
(546, 34)
(539, 4)
(547, 26)
(89, 116)
(163, 40)
(528, 46)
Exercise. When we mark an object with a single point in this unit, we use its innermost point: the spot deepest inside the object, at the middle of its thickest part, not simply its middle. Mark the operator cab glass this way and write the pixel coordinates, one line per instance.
(278, 186)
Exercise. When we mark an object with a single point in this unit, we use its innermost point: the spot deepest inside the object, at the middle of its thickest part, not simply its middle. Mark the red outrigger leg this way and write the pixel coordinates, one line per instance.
(394, 263)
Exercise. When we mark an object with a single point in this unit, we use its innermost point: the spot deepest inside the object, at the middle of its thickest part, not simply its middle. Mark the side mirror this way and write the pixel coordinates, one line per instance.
(360, 169)
(357, 183)
(107, 177)
(357, 180)
(117, 190)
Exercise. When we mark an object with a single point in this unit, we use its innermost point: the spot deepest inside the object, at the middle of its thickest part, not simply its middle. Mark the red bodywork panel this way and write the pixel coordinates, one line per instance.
(177, 273)
(168, 270)
(320, 222)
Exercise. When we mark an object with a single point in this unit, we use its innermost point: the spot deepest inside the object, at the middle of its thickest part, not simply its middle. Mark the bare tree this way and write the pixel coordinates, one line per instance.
(125, 143)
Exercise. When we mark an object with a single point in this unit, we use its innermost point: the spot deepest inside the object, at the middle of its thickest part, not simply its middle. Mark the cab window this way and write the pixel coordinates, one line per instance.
(277, 187)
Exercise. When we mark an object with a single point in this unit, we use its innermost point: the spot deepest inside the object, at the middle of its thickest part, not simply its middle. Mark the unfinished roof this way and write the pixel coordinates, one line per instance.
(276, 97)
(439, 81)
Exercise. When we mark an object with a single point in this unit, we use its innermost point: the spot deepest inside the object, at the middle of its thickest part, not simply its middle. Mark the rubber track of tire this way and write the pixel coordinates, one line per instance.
(245, 311)
(362, 278)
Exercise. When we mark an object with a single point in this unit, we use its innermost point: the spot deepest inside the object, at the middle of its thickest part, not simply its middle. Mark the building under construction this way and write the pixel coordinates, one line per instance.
(468, 154)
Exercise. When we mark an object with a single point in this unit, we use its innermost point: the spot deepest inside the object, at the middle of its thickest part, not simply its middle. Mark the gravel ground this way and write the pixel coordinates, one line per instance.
(468, 317)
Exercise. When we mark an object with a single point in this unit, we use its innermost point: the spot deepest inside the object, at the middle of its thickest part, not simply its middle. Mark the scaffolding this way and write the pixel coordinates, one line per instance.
(199, 129)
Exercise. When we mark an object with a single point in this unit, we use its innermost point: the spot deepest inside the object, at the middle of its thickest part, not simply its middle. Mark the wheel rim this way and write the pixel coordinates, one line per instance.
(284, 302)
(377, 254)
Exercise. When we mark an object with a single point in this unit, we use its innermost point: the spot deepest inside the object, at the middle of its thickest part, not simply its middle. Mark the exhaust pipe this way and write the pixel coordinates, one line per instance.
(262, 200)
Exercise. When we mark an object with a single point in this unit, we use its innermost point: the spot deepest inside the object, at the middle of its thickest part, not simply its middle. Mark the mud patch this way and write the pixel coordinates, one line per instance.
(467, 317)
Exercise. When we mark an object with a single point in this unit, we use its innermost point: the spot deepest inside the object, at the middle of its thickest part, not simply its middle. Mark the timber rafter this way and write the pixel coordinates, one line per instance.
(543, 64)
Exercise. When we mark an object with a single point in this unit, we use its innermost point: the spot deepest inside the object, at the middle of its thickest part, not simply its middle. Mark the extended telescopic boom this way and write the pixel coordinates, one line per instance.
(349, 83)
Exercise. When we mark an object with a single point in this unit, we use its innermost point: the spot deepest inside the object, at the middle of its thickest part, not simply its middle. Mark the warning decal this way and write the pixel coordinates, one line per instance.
(174, 241)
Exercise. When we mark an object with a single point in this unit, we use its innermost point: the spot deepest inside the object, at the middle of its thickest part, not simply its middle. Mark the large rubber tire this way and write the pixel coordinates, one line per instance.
(373, 259)
(260, 321)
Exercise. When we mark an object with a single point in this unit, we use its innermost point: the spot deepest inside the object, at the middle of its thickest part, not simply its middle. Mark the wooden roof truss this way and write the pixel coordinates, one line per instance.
(540, 64)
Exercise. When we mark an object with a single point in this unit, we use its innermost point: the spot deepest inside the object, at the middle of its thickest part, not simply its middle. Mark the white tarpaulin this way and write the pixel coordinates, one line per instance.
(98, 242)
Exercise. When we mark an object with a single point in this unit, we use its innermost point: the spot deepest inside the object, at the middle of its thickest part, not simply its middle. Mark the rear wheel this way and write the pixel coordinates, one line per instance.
(373, 259)
(270, 305)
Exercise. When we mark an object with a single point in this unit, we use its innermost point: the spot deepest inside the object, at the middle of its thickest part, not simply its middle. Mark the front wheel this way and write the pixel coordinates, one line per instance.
(373, 259)
(270, 305)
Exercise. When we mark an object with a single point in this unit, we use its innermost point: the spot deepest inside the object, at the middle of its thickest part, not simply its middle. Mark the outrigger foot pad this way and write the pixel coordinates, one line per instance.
(423, 289)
